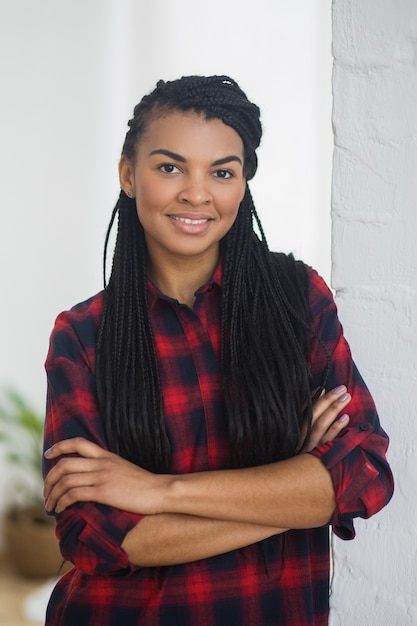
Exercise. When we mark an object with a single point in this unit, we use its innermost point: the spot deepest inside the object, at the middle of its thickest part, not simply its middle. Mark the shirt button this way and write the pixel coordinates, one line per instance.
(363, 426)
(210, 288)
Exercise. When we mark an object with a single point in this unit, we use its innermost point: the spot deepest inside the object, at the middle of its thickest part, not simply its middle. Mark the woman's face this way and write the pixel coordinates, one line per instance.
(188, 183)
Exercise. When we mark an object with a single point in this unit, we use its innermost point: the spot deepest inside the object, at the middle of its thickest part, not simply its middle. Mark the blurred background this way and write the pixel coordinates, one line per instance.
(71, 73)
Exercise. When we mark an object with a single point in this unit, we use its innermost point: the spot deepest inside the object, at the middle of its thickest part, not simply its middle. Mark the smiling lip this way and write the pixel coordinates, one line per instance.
(190, 225)
(190, 220)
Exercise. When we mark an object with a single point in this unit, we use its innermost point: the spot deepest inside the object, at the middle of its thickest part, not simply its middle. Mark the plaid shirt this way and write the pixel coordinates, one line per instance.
(249, 587)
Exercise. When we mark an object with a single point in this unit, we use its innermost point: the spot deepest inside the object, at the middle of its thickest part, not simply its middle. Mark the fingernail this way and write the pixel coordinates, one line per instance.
(343, 418)
(344, 397)
(339, 389)
(46, 453)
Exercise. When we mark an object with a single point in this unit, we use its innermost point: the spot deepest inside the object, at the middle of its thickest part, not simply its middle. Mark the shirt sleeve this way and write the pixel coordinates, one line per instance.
(90, 534)
(356, 459)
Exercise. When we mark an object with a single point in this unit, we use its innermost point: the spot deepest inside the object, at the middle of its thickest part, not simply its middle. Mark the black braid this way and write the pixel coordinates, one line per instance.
(129, 390)
(265, 319)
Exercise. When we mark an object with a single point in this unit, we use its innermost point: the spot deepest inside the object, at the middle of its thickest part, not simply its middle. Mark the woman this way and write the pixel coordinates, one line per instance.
(196, 434)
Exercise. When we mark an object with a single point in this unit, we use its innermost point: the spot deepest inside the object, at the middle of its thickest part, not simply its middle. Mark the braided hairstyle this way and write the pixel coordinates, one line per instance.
(264, 312)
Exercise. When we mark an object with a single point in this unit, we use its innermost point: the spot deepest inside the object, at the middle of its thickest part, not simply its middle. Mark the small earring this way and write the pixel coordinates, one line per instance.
(130, 193)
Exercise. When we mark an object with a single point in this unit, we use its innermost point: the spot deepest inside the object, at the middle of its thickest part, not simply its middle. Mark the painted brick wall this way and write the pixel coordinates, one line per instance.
(374, 274)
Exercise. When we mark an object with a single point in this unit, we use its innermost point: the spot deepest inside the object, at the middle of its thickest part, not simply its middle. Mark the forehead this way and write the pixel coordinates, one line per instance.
(190, 134)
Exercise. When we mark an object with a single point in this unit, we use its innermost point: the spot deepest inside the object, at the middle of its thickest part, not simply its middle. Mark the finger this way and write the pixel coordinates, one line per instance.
(323, 420)
(77, 494)
(319, 437)
(319, 406)
(323, 436)
(77, 445)
(335, 429)
(69, 484)
(325, 399)
(67, 466)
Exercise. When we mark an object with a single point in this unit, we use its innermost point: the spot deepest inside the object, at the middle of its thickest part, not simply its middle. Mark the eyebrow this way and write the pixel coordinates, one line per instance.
(227, 159)
(181, 159)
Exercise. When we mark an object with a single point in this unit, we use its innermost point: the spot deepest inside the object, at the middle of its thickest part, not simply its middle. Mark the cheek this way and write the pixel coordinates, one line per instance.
(233, 203)
(149, 199)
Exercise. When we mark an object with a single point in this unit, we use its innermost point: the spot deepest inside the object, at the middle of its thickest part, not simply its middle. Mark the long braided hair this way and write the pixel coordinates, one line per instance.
(264, 312)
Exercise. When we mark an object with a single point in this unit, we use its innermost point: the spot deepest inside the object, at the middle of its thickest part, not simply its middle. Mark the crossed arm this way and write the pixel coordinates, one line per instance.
(216, 511)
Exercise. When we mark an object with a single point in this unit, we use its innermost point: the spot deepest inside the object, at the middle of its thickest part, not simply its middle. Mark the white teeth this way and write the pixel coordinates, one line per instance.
(188, 221)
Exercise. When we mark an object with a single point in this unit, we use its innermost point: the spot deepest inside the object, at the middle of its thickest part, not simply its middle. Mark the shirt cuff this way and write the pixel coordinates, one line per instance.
(92, 540)
(352, 474)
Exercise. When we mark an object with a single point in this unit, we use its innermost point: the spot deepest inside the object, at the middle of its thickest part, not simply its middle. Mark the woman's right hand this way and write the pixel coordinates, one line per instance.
(328, 420)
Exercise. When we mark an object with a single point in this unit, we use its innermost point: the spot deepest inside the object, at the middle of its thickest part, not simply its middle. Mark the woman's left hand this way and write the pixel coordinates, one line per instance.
(97, 475)
(327, 422)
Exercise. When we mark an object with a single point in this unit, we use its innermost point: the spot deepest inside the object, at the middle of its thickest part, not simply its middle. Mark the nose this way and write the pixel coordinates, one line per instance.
(195, 191)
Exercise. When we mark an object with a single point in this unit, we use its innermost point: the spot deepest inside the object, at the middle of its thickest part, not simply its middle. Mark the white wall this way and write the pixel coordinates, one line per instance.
(374, 274)
(71, 73)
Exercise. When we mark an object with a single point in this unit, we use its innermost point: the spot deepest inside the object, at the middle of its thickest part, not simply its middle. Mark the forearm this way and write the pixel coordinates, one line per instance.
(296, 493)
(171, 539)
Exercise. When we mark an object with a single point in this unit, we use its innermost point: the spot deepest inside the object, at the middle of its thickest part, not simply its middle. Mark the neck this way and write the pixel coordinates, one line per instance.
(181, 279)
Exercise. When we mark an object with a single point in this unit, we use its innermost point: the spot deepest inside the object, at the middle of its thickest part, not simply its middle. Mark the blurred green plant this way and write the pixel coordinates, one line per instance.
(21, 435)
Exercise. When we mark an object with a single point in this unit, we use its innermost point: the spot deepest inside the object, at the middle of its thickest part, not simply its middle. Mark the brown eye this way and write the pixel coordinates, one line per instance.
(224, 174)
(168, 168)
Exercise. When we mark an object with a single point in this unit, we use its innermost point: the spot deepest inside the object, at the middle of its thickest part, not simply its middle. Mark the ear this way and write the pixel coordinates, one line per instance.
(127, 176)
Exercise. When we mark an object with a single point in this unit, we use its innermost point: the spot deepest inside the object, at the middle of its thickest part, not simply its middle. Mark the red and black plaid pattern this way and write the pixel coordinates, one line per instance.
(275, 585)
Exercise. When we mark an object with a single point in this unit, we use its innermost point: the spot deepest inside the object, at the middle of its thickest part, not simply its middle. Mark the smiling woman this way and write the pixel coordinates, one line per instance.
(186, 198)
(197, 445)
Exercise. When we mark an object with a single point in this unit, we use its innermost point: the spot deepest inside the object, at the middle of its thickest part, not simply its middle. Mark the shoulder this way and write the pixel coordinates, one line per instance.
(290, 270)
(294, 277)
(320, 294)
(303, 284)
(76, 327)
(288, 262)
